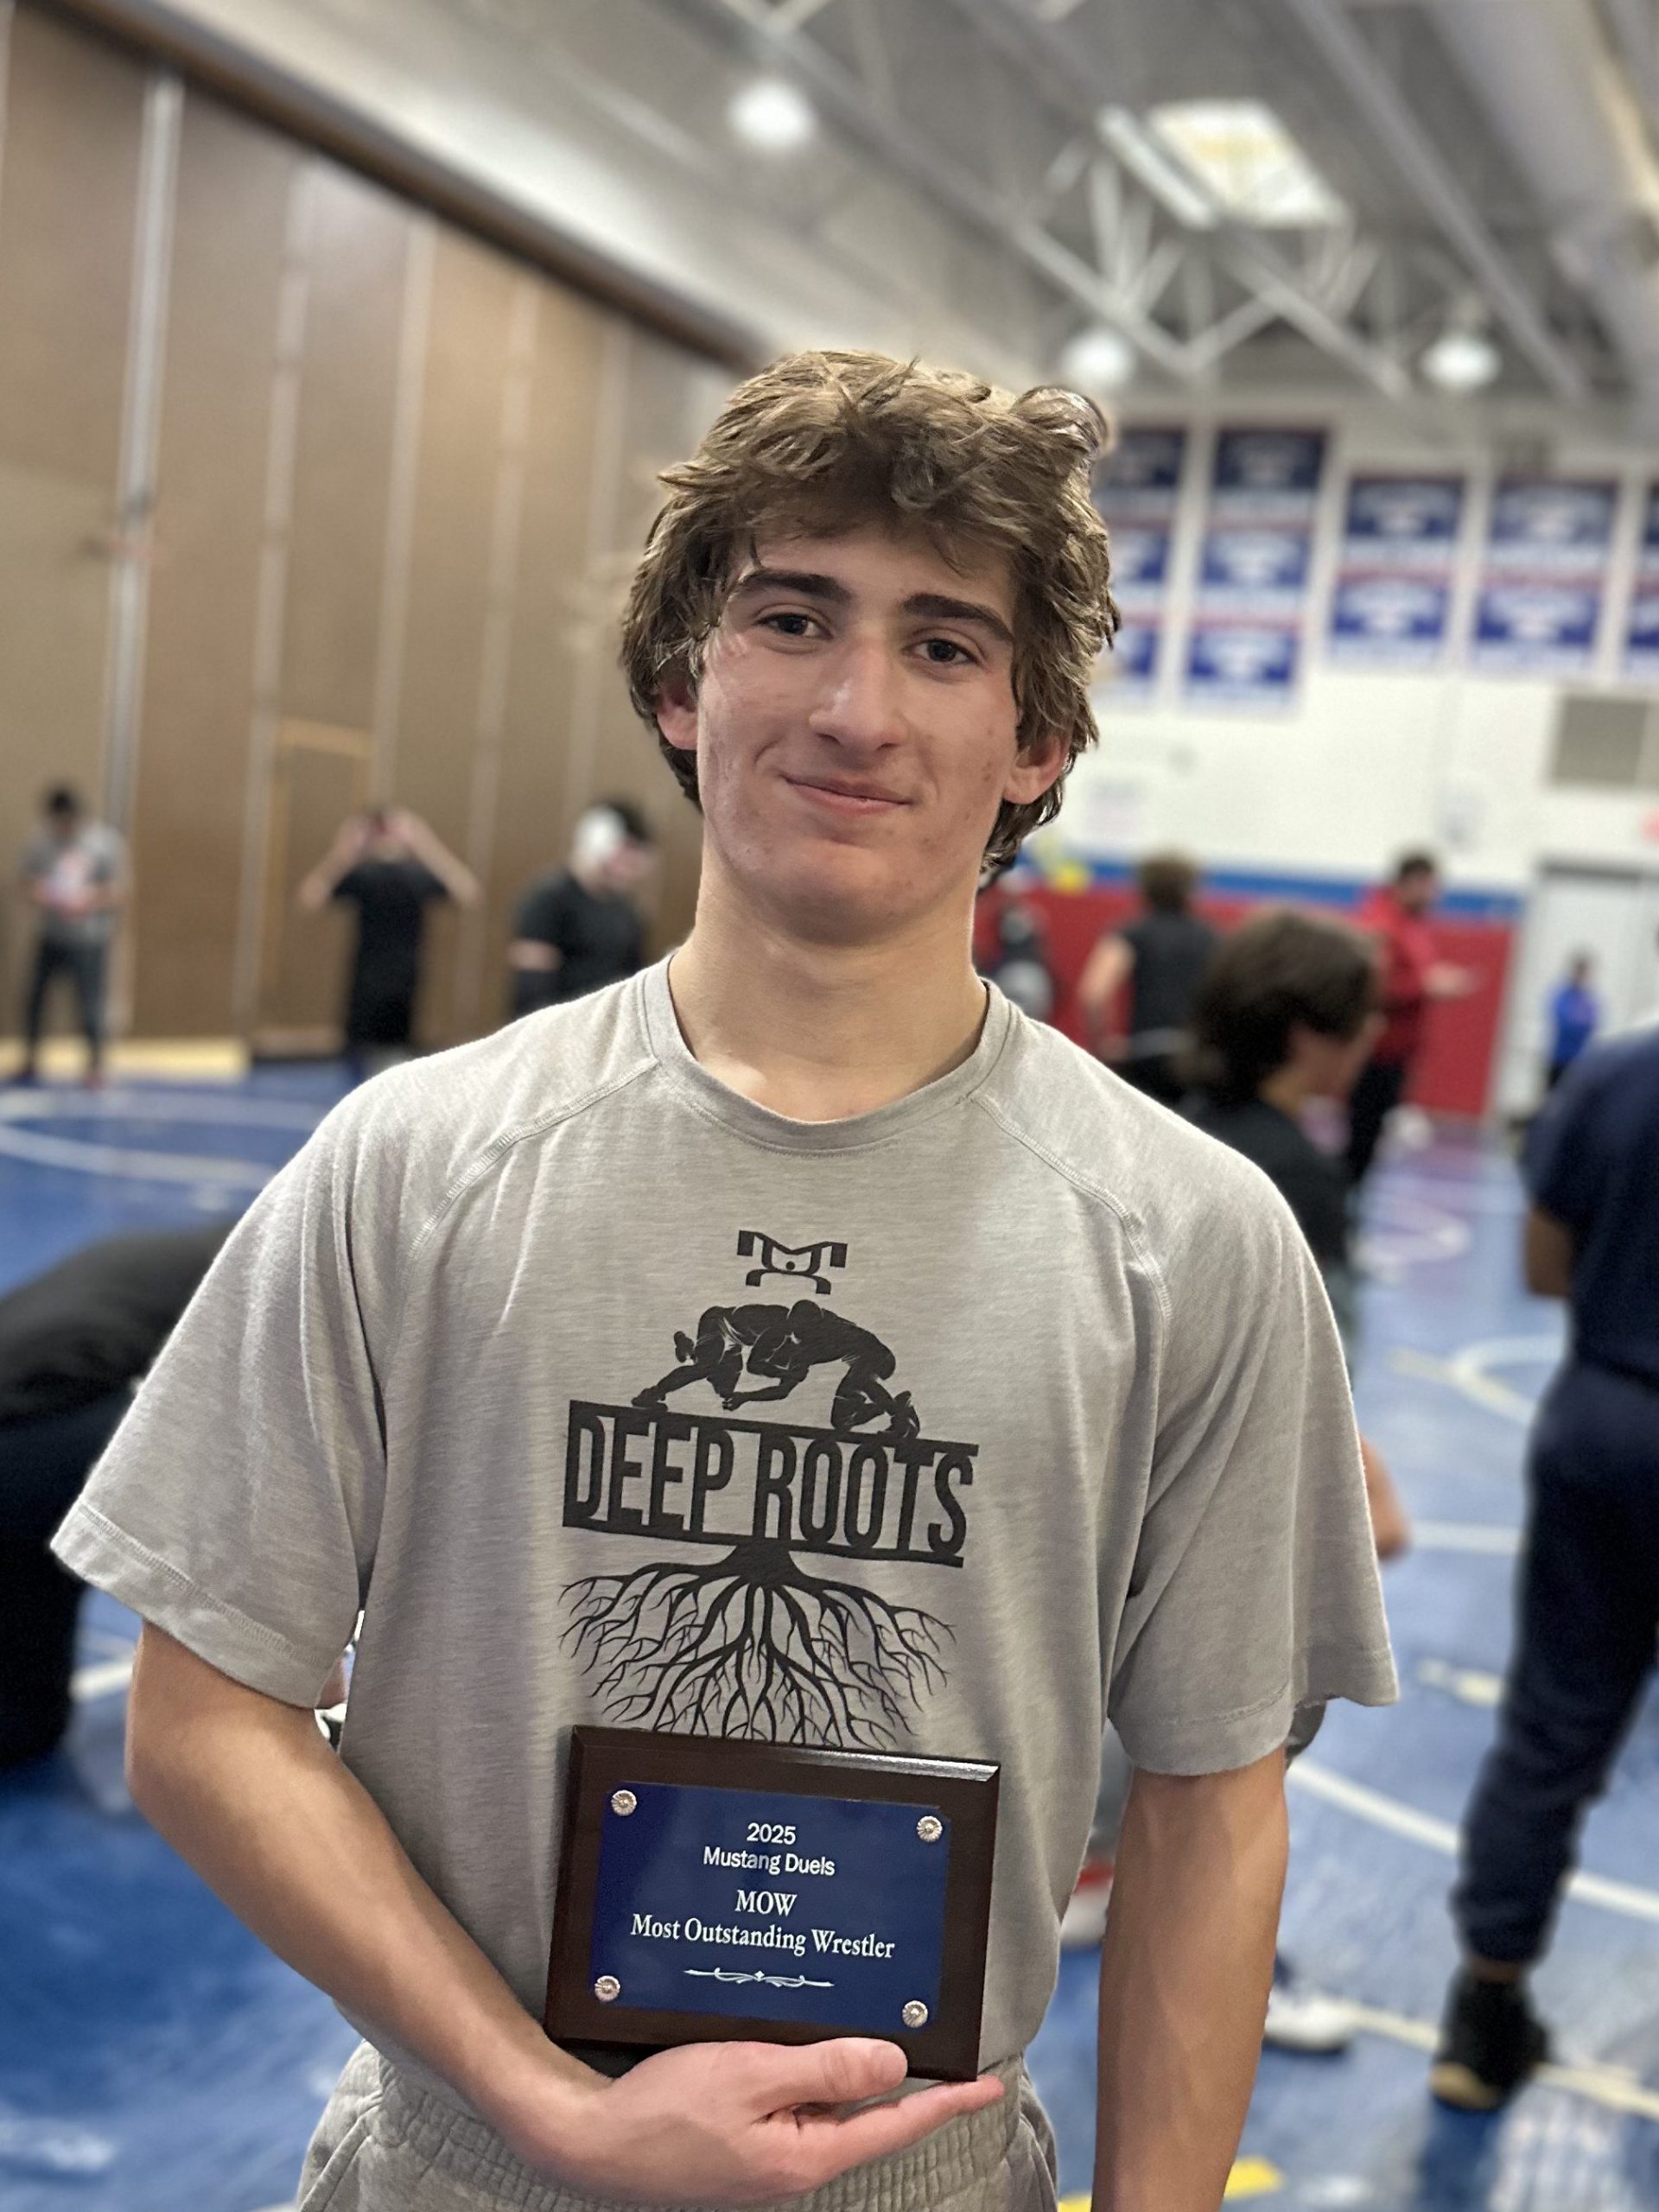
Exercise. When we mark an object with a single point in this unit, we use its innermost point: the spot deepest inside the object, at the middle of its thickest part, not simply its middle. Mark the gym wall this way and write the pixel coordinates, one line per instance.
(306, 498)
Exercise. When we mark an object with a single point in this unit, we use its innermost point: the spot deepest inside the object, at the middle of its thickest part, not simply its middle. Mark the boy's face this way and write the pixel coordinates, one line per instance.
(854, 728)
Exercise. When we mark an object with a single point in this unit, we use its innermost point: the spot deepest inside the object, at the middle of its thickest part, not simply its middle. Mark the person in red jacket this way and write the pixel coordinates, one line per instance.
(1411, 974)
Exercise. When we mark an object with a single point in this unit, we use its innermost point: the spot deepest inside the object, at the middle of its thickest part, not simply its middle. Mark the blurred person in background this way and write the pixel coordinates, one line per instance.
(1017, 961)
(1574, 1017)
(73, 1343)
(1161, 957)
(1284, 1015)
(578, 928)
(1587, 1586)
(74, 875)
(1412, 976)
(389, 866)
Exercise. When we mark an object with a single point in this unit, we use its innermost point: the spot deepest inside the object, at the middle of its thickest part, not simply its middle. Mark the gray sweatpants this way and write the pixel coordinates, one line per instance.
(382, 2146)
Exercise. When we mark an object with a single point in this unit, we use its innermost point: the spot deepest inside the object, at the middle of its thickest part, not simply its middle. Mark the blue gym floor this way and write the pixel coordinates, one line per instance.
(153, 2057)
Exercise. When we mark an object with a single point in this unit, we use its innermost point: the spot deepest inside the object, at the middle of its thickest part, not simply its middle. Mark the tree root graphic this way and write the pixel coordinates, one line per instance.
(752, 1646)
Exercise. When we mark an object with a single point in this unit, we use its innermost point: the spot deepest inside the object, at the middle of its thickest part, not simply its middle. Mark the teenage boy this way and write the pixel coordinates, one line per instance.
(1098, 1449)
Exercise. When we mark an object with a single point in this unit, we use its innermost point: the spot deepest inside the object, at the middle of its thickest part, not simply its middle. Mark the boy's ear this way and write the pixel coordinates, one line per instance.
(677, 711)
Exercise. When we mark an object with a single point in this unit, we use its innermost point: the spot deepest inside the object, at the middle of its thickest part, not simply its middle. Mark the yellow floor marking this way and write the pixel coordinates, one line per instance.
(184, 1058)
(1253, 2177)
(1249, 2178)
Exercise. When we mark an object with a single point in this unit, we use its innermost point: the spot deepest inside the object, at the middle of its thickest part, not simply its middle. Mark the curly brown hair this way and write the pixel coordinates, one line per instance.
(829, 442)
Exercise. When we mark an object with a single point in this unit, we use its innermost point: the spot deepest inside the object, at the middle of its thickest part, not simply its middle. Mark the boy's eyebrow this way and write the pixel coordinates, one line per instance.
(798, 580)
(933, 605)
(937, 607)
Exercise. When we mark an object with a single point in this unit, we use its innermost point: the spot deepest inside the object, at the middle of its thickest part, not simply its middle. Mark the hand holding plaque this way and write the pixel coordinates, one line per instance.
(742, 2123)
(712, 1890)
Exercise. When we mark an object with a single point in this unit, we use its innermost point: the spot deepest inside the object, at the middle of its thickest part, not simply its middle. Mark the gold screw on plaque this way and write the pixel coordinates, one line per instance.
(607, 1989)
(623, 1801)
(915, 2013)
(929, 1828)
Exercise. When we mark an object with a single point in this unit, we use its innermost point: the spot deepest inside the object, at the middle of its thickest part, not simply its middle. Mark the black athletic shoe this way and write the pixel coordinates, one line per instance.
(1490, 2040)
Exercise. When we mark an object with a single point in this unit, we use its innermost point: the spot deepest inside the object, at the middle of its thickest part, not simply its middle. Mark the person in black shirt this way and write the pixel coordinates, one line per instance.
(72, 1341)
(389, 866)
(1287, 1013)
(1162, 955)
(577, 929)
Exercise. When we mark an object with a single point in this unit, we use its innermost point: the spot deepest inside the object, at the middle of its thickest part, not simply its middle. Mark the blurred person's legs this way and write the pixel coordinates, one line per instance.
(1588, 1619)
(86, 967)
(50, 961)
(43, 1464)
(1381, 1084)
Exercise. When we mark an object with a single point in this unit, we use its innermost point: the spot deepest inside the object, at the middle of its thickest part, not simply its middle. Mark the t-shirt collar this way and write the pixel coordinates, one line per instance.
(760, 1125)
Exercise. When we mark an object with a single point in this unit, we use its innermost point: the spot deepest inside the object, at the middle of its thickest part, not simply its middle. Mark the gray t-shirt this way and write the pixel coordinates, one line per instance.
(90, 861)
(956, 1425)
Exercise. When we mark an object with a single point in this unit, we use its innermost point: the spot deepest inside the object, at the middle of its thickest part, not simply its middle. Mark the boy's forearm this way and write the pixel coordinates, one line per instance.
(1184, 1975)
(247, 1791)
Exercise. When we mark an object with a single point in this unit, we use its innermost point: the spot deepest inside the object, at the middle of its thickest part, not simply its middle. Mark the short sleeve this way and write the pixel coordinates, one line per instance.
(543, 913)
(240, 1504)
(350, 886)
(1254, 1586)
(1562, 1164)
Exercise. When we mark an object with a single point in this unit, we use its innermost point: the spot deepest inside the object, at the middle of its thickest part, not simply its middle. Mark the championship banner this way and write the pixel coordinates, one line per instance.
(1245, 646)
(1642, 627)
(1392, 604)
(1138, 491)
(1544, 577)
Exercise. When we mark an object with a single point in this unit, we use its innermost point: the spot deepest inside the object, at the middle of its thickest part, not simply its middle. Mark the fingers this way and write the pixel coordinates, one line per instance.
(842, 2071)
(831, 2145)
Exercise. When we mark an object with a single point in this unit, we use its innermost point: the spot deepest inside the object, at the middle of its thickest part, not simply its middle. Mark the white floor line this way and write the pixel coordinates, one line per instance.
(1442, 1836)
(1496, 1397)
(1469, 1685)
(1465, 1536)
(1613, 2085)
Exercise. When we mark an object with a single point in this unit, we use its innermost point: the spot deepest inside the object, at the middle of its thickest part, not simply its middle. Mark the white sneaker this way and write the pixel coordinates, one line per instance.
(1302, 2019)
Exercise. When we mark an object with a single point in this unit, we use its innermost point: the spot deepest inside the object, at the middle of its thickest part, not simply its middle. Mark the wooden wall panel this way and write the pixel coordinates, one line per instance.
(190, 802)
(358, 255)
(71, 163)
(470, 477)
(667, 401)
(551, 616)
(448, 585)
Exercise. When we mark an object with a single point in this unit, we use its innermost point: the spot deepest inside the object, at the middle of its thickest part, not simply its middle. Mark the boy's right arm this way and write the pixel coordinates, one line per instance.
(244, 1788)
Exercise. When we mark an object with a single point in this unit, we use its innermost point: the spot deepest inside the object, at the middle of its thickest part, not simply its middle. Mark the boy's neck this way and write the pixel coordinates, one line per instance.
(819, 1031)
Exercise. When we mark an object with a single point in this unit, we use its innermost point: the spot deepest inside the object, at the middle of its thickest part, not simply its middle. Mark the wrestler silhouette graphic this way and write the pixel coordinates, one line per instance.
(780, 1346)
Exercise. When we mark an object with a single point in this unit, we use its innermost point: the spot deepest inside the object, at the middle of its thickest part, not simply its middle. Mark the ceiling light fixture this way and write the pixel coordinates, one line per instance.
(1244, 163)
(774, 115)
(1162, 174)
(1098, 361)
(1463, 358)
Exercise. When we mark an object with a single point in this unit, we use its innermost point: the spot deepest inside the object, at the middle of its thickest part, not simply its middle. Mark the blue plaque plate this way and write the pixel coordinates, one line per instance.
(767, 1907)
(710, 1890)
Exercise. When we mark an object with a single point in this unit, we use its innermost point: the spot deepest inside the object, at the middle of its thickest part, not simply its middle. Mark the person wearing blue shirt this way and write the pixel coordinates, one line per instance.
(1574, 1017)
(1588, 1589)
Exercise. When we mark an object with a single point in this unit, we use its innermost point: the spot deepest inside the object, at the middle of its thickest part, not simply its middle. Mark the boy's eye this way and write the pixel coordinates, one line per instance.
(789, 623)
(945, 652)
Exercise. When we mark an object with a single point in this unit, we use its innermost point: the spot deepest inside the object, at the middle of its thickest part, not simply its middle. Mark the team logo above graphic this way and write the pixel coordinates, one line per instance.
(757, 1643)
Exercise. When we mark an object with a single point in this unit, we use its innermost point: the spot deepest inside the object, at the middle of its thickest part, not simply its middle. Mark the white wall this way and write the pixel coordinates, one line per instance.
(1365, 763)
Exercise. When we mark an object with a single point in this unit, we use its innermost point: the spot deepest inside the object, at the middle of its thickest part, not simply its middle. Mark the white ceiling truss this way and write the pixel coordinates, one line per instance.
(985, 115)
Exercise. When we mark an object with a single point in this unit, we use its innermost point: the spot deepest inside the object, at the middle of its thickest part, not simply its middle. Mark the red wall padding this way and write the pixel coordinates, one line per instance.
(1453, 1072)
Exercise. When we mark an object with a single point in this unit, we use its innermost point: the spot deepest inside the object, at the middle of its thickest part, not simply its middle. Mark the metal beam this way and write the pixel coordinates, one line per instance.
(1078, 88)
(1420, 162)
(952, 187)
